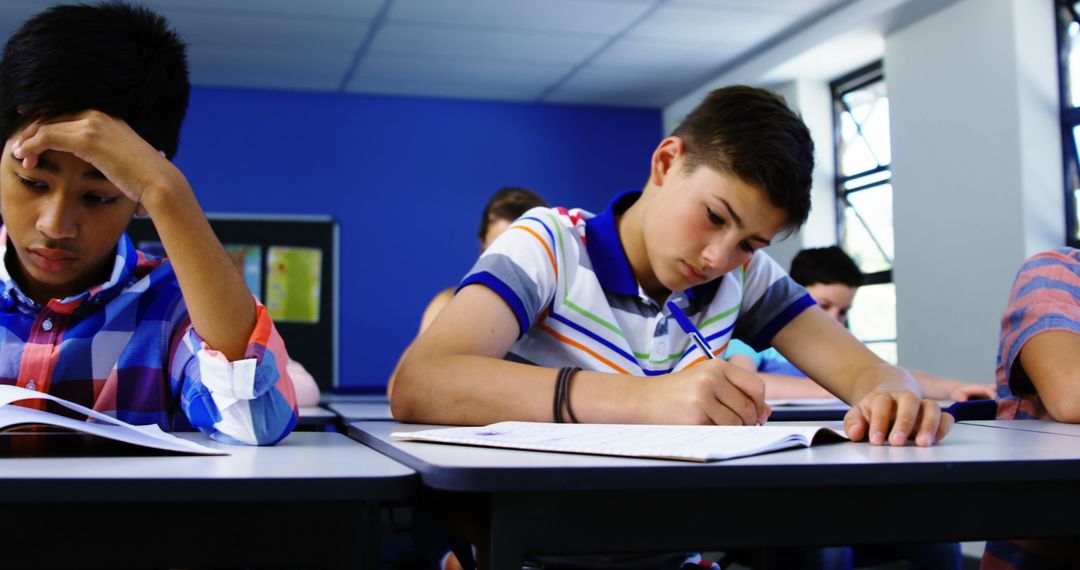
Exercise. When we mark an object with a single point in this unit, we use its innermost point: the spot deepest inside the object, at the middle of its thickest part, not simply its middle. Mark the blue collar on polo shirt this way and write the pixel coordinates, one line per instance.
(608, 257)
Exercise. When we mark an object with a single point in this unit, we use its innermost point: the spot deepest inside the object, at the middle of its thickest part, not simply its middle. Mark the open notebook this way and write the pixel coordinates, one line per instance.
(98, 424)
(686, 443)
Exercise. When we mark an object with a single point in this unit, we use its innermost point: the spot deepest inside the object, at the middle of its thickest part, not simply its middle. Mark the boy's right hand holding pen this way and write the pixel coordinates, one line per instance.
(713, 392)
(710, 392)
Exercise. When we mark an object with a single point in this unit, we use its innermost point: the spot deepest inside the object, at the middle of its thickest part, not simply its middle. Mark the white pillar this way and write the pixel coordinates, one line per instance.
(977, 173)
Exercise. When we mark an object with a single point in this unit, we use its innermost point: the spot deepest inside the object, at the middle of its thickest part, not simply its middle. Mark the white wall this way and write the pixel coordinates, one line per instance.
(976, 170)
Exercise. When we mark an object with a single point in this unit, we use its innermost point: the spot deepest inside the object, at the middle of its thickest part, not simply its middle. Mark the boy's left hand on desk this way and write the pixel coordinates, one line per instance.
(908, 415)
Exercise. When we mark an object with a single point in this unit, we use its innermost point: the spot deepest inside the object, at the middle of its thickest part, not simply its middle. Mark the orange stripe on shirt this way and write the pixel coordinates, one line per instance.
(716, 352)
(582, 347)
(551, 256)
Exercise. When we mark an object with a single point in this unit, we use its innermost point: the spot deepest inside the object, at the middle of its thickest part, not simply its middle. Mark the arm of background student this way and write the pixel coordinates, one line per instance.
(221, 307)
(455, 374)
(781, 386)
(1052, 361)
(940, 388)
(433, 309)
(880, 394)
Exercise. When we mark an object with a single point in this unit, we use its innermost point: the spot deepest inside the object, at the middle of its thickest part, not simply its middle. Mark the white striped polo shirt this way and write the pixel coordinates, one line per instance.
(567, 279)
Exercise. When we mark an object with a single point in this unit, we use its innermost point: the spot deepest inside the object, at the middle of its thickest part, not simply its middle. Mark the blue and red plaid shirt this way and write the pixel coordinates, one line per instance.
(127, 348)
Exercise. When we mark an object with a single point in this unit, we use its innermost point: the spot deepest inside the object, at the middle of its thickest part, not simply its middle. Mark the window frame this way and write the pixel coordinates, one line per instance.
(853, 81)
(1070, 119)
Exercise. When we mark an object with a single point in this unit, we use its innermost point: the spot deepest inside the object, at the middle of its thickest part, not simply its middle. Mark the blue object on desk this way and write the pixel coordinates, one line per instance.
(973, 410)
(689, 328)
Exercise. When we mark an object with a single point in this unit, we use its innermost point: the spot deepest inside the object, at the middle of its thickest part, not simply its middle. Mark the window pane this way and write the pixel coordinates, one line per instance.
(875, 209)
(1073, 162)
(864, 129)
(855, 154)
(873, 313)
(1072, 57)
(856, 241)
(873, 117)
(1076, 208)
(874, 206)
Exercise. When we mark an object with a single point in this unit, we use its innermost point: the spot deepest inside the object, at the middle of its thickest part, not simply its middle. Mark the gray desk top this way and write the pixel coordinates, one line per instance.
(304, 466)
(970, 454)
(331, 397)
(312, 413)
(1039, 426)
(362, 411)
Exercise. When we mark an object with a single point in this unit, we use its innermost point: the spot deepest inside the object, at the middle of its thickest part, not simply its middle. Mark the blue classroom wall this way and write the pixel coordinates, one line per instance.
(406, 178)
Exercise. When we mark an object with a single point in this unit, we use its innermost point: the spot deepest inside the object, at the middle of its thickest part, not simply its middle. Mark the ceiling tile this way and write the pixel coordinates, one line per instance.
(258, 67)
(739, 27)
(454, 78)
(652, 54)
(617, 86)
(277, 32)
(578, 16)
(480, 44)
(798, 6)
(488, 49)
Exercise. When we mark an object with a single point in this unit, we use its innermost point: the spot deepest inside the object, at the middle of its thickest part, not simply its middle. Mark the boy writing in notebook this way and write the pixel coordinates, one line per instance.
(91, 102)
(565, 288)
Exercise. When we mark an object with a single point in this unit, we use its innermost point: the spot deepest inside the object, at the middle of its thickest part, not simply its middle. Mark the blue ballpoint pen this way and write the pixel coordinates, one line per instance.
(689, 328)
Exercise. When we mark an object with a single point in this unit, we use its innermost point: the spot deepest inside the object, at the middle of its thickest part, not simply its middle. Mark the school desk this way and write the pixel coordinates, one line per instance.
(362, 411)
(333, 397)
(519, 503)
(1041, 426)
(311, 499)
(316, 418)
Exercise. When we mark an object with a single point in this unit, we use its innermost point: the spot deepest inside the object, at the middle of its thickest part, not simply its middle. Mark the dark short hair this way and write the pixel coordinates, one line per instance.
(508, 203)
(825, 265)
(751, 133)
(122, 60)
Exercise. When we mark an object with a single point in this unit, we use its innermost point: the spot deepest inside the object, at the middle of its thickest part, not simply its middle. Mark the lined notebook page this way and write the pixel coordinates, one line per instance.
(687, 443)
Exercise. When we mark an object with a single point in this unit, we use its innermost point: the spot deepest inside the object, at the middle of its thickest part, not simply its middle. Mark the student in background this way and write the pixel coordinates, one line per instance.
(505, 206)
(832, 279)
(307, 390)
(564, 317)
(1038, 376)
(91, 103)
